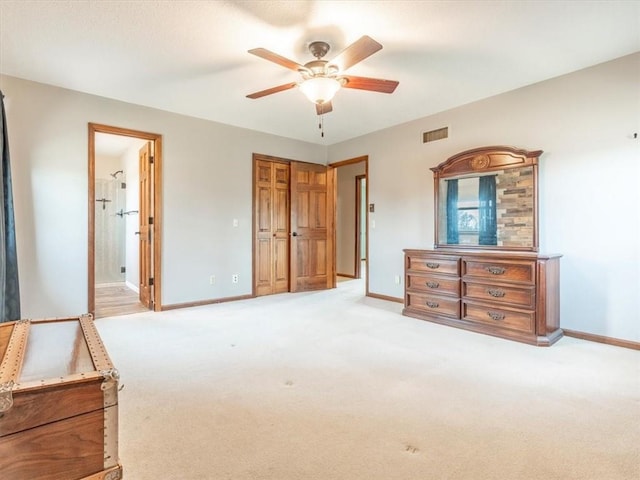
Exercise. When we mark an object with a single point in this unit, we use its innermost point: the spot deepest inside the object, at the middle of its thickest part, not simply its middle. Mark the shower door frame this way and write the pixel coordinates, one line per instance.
(155, 202)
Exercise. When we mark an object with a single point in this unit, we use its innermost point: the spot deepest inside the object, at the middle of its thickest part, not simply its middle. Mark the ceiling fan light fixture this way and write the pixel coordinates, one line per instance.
(320, 90)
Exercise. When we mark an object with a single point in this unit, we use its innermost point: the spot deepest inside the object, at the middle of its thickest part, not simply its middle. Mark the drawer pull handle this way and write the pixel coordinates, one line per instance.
(433, 265)
(433, 284)
(496, 292)
(496, 270)
(496, 315)
(432, 304)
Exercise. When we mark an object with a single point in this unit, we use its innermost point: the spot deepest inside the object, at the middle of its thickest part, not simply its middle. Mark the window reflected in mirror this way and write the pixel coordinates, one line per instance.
(488, 209)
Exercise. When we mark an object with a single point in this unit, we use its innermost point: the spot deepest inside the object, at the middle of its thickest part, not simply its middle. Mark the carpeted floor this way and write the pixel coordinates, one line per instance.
(334, 385)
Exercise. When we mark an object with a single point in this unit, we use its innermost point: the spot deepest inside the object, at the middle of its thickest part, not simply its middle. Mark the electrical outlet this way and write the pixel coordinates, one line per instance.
(234, 278)
(212, 280)
(397, 279)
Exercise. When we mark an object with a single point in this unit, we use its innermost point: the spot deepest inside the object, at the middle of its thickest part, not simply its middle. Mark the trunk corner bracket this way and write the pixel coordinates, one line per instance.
(6, 396)
(111, 378)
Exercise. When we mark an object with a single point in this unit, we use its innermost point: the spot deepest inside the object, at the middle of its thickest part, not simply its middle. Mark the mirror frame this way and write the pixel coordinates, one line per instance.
(481, 160)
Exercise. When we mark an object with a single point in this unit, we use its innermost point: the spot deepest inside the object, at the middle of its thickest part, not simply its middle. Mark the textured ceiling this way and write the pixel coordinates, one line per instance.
(190, 57)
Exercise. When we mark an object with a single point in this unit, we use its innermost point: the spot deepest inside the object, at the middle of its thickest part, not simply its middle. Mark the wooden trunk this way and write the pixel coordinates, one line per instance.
(58, 402)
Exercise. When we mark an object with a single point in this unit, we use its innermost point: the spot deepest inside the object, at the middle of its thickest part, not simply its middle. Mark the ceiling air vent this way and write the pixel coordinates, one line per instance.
(433, 135)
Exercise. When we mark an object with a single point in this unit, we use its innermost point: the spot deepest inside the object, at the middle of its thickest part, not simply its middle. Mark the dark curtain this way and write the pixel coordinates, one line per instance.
(9, 288)
(452, 212)
(487, 211)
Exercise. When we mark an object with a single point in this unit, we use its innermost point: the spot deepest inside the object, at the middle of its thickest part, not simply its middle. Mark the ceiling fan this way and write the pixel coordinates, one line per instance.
(321, 79)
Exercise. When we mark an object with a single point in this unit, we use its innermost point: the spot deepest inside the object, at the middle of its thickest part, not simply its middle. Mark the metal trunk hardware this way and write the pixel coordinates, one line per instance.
(6, 396)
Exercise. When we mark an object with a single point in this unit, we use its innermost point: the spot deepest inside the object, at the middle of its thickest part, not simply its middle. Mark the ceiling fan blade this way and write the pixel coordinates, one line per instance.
(356, 52)
(275, 58)
(372, 84)
(269, 91)
(322, 108)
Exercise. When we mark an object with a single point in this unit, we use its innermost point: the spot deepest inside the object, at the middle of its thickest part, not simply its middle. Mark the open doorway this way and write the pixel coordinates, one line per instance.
(361, 225)
(351, 220)
(124, 221)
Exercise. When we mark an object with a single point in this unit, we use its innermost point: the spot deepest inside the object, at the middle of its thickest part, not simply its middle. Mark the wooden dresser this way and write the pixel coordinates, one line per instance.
(513, 295)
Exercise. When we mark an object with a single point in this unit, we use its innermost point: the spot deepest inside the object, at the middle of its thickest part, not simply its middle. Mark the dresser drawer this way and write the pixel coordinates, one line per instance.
(523, 296)
(520, 320)
(521, 271)
(438, 285)
(439, 265)
(434, 305)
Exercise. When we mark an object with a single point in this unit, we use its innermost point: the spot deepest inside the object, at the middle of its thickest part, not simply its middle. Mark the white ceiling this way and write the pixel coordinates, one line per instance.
(190, 57)
(115, 145)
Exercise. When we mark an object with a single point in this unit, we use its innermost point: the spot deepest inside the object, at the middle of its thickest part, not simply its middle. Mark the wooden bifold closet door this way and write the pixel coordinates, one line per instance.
(312, 232)
(271, 248)
(294, 226)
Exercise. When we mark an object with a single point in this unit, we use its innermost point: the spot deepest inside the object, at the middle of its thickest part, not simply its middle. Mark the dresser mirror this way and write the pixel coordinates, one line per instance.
(487, 198)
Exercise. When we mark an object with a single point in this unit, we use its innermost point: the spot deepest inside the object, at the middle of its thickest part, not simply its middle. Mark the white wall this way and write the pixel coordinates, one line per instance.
(106, 165)
(589, 196)
(589, 190)
(207, 183)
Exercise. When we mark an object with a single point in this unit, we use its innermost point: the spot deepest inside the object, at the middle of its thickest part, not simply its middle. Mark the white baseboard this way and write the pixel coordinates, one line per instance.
(133, 287)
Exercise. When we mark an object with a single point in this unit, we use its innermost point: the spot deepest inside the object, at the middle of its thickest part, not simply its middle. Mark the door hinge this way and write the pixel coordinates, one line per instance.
(151, 282)
(151, 159)
(150, 220)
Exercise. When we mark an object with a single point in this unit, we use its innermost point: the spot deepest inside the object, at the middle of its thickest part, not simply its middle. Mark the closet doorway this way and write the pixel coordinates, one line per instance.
(352, 219)
(361, 225)
(293, 226)
(124, 221)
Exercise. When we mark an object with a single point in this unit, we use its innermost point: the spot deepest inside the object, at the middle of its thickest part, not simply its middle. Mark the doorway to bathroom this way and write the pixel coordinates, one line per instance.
(124, 221)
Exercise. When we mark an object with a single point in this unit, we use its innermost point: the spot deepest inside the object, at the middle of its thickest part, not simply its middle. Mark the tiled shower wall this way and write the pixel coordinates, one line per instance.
(109, 231)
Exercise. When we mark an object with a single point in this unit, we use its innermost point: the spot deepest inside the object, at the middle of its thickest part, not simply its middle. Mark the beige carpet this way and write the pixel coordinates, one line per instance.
(333, 385)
